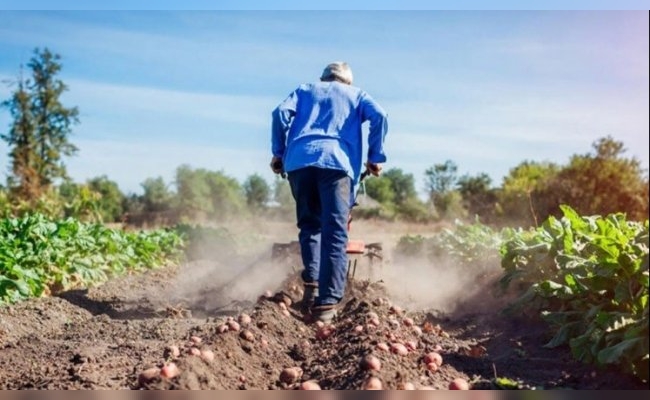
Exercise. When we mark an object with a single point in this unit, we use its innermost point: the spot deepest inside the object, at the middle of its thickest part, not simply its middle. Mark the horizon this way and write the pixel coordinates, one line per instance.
(484, 89)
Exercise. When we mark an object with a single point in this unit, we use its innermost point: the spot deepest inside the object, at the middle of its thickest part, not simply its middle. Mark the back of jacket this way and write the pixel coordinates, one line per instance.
(319, 125)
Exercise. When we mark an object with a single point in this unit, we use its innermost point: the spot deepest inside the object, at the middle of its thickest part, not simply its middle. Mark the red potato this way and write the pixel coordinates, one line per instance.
(310, 385)
(407, 321)
(282, 306)
(286, 313)
(172, 351)
(207, 355)
(196, 339)
(416, 330)
(433, 367)
(405, 386)
(319, 324)
(264, 343)
(397, 310)
(247, 335)
(458, 384)
(148, 375)
(372, 315)
(244, 319)
(223, 328)
(194, 351)
(358, 329)
(324, 332)
(433, 357)
(411, 344)
(373, 383)
(374, 322)
(242, 378)
(370, 362)
(399, 349)
(383, 346)
(169, 371)
(290, 375)
(234, 326)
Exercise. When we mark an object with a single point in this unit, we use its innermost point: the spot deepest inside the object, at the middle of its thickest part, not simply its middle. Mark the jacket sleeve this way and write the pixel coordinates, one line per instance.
(281, 122)
(372, 112)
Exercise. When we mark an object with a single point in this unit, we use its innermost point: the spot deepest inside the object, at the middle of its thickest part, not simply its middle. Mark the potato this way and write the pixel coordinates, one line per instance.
(458, 384)
(358, 329)
(169, 371)
(383, 346)
(433, 357)
(416, 330)
(324, 332)
(207, 355)
(194, 351)
(223, 328)
(247, 335)
(244, 319)
(148, 375)
(432, 366)
(195, 339)
(373, 383)
(370, 362)
(411, 344)
(234, 326)
(172, 352)
(407, 321)
(310, 385)
(399, 349)
(405, 386)
(290, 375)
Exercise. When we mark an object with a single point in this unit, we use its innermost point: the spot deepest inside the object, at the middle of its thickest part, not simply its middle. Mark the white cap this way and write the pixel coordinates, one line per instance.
(337, 70)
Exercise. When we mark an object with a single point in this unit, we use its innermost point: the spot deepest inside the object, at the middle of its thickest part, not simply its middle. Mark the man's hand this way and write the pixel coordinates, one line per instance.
(276, 165)
(373, 168)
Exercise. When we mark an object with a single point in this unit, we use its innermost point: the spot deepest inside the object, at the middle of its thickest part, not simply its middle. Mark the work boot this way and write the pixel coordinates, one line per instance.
(324, 313)
(309, 295)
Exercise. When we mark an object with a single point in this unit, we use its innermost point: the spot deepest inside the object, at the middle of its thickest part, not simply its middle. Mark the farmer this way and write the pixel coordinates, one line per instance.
(317, 141)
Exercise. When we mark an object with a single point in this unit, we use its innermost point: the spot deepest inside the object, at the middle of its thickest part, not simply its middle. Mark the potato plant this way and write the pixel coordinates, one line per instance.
(41, 256)
(588, 276)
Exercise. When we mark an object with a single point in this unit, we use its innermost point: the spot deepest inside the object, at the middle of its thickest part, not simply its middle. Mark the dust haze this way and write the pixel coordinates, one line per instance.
(225, 281)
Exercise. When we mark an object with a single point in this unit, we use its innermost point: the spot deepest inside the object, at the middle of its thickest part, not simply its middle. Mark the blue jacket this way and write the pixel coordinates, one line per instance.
(319, 125)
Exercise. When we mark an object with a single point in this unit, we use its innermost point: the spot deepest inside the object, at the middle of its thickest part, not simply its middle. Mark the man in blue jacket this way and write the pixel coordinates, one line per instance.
(317, 141)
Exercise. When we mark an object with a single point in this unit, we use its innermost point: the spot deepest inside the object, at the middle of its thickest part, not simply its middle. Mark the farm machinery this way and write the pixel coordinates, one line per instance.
(359, 252)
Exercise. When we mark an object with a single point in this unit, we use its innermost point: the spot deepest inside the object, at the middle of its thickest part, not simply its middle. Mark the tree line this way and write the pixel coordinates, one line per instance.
(602, 181)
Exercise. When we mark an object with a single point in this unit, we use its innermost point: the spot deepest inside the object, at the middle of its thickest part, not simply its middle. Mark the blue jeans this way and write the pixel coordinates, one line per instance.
(322, 209)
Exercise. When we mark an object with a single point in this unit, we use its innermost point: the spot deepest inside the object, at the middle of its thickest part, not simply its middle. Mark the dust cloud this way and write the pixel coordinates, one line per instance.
(422, 283)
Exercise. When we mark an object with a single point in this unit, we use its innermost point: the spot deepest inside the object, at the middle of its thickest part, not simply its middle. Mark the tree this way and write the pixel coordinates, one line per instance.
(257, 192)
(111, 200)
(403, 185)
(524, 191)
(477, 195)
(157, 196)
(38, 136)
(601, 183)
(440, 181)
(441, 178)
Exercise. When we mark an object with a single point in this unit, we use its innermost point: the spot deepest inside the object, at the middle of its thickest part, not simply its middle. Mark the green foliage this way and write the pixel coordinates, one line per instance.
(204, 194)
(40, 255)
(473, 247)
(588, 276)
(111, 199)
(441, 178)
(156, 197)
(402, 185)
(257, 192)
(602, 183)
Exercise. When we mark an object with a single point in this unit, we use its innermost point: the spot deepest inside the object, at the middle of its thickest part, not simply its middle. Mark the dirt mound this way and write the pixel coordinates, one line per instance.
(120, 336)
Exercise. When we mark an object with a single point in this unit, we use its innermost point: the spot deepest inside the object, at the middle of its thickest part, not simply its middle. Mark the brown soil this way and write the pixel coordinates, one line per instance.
(105, 337)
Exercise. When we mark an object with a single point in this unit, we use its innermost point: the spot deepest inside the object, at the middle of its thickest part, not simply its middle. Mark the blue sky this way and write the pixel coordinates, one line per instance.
(485, 89)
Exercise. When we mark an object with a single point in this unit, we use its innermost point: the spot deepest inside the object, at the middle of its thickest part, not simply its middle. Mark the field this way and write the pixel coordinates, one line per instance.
(105, 337)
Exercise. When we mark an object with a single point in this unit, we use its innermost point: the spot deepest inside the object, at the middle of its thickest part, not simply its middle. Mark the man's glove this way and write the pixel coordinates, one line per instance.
(276, 165)
(373, 168)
